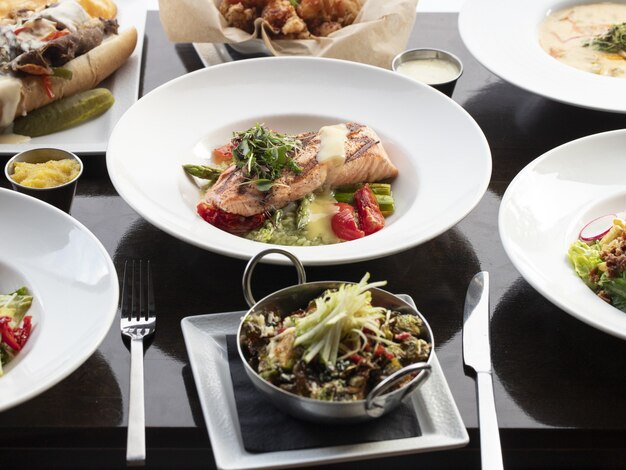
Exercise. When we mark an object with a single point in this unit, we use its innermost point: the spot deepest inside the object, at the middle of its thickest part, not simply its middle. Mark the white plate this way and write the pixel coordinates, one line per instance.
(547, 204)
(443, 156)
(75, 291)
(92, 136)
(503, 36)
(205, 338)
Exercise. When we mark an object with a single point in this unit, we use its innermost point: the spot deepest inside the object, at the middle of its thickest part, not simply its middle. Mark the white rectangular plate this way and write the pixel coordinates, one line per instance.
(92, 137)
(205, 338)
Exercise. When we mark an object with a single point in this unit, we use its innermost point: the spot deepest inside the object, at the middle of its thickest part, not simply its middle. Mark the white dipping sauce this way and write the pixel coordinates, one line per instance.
(429, 71)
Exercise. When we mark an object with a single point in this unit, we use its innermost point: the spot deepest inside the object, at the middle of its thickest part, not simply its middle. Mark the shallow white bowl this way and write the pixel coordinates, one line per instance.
(75, 289)
(503, 36)
(543, 210)
(442, 155)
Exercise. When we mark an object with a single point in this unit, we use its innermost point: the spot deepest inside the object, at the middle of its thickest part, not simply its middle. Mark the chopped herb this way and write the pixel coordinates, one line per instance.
(614, 40)
(263, 154)
(264, 184)
(294, 3)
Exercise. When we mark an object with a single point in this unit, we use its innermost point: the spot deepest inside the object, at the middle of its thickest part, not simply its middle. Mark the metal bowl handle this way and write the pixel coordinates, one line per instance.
(394, 379)
(247, 274)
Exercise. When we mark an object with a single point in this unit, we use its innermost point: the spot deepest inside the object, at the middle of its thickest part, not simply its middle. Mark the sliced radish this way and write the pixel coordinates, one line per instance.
(597, 228)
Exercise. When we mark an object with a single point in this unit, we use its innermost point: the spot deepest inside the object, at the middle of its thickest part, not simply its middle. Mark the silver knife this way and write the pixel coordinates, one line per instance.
(477, 355)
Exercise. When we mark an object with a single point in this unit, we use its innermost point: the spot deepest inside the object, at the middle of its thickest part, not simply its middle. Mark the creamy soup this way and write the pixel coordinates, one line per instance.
(566, 35)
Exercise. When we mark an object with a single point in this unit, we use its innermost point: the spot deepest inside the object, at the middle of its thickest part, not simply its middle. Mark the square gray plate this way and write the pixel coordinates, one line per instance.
(205, 338)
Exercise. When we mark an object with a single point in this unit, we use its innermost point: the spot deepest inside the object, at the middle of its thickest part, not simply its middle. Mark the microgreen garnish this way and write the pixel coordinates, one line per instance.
(614, 40)
(263, 154)
(263, 185)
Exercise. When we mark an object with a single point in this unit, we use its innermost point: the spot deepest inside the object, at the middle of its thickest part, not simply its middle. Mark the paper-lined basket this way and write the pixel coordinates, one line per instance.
(380, 31)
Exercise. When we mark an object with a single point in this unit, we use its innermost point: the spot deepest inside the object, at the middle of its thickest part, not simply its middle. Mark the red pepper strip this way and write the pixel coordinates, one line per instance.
(8, 337)
(55, 35)
(356, 358)
(5, 319)
(370, 216)
(22, 334)
(344, 223)
(19, 30)
(47, 85)
(231, 223)
(381, 351)
(402, 336)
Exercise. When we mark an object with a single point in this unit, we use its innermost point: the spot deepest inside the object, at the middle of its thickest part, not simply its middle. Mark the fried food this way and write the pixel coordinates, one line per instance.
(290, 19)
(326, 16)
(283, 20)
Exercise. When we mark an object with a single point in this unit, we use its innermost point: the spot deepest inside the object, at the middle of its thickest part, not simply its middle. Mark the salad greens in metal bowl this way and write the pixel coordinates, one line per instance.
(333, 351)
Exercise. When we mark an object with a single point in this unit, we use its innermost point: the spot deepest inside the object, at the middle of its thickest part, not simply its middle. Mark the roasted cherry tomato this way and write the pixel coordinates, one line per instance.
(223, 153)
(229, 222)
(344, 223)
(370, 216)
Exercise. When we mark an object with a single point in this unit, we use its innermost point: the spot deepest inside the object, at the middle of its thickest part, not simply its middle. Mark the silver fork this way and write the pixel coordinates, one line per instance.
(138, 321)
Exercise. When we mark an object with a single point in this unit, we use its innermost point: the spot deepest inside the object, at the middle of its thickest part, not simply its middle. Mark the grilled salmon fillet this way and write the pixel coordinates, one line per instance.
(366, 161)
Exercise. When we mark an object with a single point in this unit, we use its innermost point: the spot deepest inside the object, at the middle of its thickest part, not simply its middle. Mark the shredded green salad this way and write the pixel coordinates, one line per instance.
(337, 348)
(15, 325)
(601, 264)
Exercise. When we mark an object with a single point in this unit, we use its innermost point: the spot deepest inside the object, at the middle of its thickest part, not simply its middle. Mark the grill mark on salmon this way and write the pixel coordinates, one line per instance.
(366, 161)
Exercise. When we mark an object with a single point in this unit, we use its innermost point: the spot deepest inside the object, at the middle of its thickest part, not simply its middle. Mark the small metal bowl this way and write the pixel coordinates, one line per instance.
(379, 401)
(59, 196)
(446, 87)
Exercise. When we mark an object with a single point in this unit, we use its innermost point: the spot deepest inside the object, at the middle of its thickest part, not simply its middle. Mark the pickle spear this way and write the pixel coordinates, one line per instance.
(64, 113)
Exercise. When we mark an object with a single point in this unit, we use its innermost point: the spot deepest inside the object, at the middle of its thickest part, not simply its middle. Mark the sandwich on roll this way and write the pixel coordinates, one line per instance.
(51, 49)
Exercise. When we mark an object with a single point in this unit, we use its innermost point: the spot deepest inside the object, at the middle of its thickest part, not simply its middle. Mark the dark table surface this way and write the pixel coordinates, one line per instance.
(560, 385)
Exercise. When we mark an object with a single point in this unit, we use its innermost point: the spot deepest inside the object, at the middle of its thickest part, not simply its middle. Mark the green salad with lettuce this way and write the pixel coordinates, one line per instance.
(599, 259)
(15, 325)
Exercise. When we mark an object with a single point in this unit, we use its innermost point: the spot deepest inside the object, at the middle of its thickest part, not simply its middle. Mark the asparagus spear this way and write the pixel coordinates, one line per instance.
(304, 211)
(202, 171)
(377, 188)
(382, 192)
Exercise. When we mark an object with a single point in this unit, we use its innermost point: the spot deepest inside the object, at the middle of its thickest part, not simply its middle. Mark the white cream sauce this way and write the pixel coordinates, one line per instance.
(10, 91)
(322, 209)
(69, 13)
(429, 71)
(332, 149)
(564, 33)
(13, 139)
